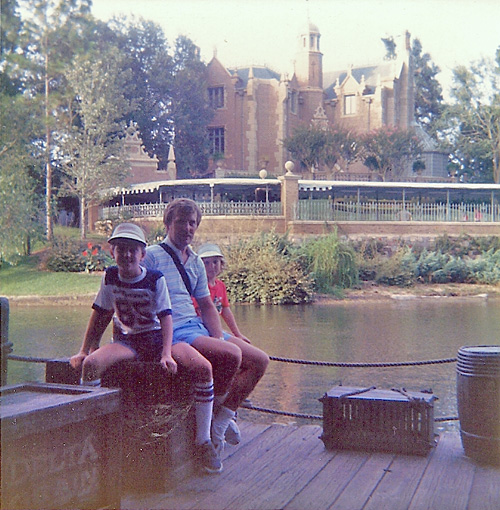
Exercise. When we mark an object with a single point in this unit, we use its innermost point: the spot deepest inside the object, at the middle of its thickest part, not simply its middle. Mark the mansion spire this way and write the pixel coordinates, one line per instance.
(309, 62)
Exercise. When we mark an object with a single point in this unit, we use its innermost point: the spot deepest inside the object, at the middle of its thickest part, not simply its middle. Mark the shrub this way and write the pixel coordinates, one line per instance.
(68, 255)
(331, 262)
(260, 270)
(399, 269)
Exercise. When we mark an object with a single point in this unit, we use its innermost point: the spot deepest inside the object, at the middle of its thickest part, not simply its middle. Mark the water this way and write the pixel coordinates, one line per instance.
(388, 331)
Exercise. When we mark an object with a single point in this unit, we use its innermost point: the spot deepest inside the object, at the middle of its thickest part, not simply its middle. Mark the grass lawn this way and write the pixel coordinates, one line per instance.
(25, 279)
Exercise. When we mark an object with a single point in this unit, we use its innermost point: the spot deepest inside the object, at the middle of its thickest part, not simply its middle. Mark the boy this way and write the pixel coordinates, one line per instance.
(138, 301)
(214, 262)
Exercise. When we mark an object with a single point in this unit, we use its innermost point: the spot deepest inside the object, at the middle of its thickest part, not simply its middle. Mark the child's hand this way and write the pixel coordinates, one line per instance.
(77, 360)
(169, 364)
(245, 339)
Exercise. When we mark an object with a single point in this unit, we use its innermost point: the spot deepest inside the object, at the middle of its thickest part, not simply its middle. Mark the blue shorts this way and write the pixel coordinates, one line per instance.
(147, 346)
(191, 330)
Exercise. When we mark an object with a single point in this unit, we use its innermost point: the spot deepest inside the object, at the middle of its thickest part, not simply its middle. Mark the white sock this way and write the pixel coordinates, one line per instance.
(220, 423)
(203, 404)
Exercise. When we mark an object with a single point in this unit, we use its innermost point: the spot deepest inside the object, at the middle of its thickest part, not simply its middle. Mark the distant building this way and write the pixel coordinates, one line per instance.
(256, 108)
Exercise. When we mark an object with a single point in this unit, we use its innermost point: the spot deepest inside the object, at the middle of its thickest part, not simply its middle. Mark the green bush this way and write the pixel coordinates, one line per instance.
(331, 263)
(399, 269)
(260, 270)
(70, 255)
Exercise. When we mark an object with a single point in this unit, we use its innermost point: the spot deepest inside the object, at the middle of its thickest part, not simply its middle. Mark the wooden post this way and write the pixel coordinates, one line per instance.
(6, 346)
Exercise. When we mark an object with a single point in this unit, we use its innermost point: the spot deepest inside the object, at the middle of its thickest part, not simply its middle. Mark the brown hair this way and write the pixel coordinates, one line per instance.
(181, 206)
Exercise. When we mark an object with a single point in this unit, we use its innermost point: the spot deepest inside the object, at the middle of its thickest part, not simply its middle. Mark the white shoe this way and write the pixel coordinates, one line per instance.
(233, 434)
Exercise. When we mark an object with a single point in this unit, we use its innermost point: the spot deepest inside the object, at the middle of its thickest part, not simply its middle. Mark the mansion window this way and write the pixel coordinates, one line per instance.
(350, 104)
(216, 97)
(216, 138)
(293, 101)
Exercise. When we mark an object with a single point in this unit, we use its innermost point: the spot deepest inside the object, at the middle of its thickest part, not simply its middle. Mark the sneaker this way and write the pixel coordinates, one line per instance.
(208, 458)
(233, 434)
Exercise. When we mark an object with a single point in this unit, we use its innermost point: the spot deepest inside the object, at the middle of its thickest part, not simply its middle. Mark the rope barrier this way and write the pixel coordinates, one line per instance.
(31, 359)
(364, 365)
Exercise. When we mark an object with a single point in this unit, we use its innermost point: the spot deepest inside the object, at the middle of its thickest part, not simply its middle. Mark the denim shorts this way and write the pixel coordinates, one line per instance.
(191, 330)
(147, 346)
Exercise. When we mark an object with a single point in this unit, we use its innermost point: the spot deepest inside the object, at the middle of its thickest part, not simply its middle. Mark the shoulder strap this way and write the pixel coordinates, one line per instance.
(179, 266)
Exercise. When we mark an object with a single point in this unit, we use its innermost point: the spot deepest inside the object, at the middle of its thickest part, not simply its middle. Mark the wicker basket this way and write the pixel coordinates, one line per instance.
(378, 420)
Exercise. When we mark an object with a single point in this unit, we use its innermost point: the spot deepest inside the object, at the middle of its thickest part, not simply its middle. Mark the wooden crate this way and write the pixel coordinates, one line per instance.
(61, 447)
(378, 420)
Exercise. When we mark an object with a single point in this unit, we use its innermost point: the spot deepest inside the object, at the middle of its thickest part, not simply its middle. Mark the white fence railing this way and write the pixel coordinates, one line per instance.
(207, 208)
(327, 210)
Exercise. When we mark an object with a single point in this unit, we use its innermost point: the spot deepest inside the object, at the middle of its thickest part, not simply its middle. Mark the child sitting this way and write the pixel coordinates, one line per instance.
(138, 301)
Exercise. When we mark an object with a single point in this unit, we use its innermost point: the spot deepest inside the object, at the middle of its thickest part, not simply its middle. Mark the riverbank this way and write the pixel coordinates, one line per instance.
(368, 291)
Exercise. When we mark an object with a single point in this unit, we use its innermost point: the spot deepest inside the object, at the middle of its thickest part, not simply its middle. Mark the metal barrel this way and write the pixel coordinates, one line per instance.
(478, 401)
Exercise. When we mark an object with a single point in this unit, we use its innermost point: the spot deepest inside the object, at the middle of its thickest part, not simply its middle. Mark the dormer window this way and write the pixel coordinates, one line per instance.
(350, 104)
(216, 97)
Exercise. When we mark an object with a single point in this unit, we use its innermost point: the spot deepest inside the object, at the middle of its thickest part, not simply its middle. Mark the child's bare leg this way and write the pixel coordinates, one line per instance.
(225, 358)
(199, 371)
(96, 363)
(254, 363)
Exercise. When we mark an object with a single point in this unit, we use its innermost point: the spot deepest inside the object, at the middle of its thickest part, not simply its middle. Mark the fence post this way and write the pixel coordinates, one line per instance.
(6, 346)
(289, 191)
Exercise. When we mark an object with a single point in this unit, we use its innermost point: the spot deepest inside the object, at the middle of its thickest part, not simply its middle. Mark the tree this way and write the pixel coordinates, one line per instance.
(93, 149)
(191, 113)
(388, 151)
(168, 94)
(428, 90)
(19, 200)
(315, 146)
(52, 37)
(473, 119)
(390, 48)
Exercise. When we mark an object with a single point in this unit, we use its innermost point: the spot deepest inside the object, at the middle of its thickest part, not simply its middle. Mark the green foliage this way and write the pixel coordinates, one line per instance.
(486, 268)
(68, 255)
(388, 150)
(428, 90)
(261, 270)
(315, 147)
(471, 121)
(398, 269)
(331, 262)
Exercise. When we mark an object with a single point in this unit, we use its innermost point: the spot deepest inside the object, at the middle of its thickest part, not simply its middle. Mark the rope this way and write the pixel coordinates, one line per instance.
(364, 365)
(31, 359)
(251, 407)
(28, 359)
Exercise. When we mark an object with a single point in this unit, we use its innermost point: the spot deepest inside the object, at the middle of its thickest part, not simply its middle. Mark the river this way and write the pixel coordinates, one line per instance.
(363, 331)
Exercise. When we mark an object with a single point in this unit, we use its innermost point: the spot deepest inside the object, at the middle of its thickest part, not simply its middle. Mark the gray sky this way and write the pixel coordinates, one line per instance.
(265, 32)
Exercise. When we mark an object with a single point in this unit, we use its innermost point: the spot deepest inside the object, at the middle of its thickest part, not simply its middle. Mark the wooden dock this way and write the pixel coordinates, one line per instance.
(287, 467)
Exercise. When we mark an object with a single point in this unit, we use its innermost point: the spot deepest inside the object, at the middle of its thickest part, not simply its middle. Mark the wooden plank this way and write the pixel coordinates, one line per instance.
(357, 492)
(284, 471)
(329, 483)
(448, 478)
(485, 491)
(216, 491)
(397, 487)
(152, 500)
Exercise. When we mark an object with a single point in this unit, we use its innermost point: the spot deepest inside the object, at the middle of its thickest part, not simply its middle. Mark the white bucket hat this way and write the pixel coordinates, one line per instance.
(209, 250)
(129, 231)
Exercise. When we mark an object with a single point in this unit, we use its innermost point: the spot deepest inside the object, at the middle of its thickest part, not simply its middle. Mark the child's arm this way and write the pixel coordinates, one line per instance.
(166, 355)
(96, 326)
(229, 319)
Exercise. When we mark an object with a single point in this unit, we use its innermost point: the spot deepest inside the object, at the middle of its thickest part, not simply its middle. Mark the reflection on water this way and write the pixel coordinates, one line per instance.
(406, 330)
